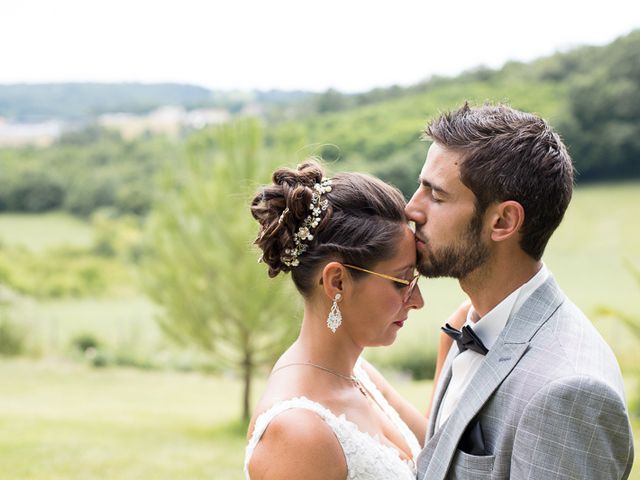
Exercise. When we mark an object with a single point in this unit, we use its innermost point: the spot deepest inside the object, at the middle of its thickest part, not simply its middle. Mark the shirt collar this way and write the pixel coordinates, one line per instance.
(489, 327)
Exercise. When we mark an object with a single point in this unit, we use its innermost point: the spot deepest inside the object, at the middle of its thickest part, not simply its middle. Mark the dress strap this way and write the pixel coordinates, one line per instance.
(264, 419)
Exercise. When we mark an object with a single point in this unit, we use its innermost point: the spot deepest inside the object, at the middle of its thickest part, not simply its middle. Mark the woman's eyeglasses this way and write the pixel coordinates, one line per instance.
(410, 285)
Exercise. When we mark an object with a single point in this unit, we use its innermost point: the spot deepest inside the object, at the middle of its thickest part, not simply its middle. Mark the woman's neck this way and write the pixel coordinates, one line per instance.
(319, 345)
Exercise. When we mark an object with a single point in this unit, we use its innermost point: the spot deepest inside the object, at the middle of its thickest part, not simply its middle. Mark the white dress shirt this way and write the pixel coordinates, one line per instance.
(488, 328)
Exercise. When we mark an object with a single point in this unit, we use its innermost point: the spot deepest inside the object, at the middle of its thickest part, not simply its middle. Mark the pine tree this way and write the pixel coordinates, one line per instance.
(201, 266)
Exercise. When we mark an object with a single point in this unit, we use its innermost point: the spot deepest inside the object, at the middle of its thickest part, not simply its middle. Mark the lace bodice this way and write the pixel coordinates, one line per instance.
(367, 457)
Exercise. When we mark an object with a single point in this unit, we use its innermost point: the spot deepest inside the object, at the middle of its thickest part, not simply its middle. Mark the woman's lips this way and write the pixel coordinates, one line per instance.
(399, 323)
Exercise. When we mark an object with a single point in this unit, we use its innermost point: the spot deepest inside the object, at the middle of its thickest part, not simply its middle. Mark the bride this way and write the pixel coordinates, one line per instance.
(326, 413)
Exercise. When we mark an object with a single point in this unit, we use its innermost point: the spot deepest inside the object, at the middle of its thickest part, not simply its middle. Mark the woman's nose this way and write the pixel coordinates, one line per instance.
(415, 300)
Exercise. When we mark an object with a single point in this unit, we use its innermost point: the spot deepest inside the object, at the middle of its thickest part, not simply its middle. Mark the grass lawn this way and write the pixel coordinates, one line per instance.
(68, 421)
(125, 322)
(61, 421)
(38, 232)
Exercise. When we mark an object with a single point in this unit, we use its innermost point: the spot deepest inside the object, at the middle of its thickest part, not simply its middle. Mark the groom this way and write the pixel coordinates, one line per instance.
(546, 401)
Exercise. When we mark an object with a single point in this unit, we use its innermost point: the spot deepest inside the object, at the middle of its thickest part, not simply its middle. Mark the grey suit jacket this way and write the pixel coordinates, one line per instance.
(548, 397)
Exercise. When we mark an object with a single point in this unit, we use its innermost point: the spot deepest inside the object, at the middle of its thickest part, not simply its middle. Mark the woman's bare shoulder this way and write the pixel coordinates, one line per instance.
(298, 444)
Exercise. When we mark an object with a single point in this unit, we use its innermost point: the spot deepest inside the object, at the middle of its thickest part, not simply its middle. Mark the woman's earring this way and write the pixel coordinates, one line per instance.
(334, 320)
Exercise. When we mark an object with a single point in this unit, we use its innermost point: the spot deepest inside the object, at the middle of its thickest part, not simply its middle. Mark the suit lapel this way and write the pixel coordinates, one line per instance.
(498, 363)
(496, 366)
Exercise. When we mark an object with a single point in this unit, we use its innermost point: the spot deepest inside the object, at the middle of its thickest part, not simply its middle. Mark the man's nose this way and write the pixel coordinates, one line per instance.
(415, 211)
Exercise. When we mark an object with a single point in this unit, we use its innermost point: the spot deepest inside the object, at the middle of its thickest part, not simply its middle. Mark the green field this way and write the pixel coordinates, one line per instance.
(117, 322)
(42, 231)
(65, 420)
(61, 421)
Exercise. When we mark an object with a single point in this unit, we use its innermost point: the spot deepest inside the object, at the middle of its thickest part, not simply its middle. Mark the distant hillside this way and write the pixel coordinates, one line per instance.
(77, 101)
(83, 101)
(591, 95)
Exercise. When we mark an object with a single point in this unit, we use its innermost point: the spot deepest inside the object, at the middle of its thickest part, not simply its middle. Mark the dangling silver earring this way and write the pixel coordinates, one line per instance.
(334, 320)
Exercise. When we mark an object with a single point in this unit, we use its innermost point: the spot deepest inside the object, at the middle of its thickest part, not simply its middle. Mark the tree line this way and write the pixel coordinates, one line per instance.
(83, 172)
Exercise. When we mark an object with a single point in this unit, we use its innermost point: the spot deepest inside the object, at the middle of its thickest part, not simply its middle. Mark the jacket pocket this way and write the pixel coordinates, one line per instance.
(477, 467)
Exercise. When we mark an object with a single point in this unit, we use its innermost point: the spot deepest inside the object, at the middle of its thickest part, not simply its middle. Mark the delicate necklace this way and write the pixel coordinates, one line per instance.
(352, 378)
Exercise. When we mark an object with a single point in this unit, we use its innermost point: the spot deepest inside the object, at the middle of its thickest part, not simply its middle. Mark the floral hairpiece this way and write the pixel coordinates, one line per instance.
(317, 206)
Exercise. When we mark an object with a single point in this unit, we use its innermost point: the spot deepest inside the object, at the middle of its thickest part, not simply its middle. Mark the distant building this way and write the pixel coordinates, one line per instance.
(167, 120)
(17, 134)
(205, 117)
(252, 110)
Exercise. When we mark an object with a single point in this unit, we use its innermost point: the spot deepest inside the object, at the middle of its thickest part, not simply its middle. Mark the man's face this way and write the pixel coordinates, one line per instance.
(448, 227)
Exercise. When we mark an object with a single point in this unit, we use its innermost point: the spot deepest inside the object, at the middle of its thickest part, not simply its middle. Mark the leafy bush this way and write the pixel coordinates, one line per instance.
(416, 360)
(117, 236)
(61, 272)
(98, 358)
(84, 341)
(12, 336)
(30, 191)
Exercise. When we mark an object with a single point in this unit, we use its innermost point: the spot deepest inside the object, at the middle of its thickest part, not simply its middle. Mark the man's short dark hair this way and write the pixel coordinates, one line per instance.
(510, 155)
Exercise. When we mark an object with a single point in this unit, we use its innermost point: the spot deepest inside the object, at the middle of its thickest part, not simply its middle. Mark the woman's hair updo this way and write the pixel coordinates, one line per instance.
(360, 226)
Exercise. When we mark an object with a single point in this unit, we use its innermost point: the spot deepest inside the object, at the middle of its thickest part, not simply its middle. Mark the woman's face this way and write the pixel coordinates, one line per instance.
(375, 310)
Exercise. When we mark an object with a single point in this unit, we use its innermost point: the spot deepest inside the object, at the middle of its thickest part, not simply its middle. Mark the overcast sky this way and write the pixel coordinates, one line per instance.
(351, 45)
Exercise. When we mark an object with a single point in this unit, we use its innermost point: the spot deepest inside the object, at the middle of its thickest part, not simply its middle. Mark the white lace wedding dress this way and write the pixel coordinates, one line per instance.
(366, 456)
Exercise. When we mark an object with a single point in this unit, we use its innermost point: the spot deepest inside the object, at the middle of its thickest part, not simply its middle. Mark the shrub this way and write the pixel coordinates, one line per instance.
(60, 272)
(415, 360)
(12, 336)
(98, 358)
(31, 191)
(117, 236)
(84, 341)
(87, 196)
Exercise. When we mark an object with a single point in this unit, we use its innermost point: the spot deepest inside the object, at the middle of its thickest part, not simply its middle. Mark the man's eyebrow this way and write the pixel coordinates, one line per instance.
(432, 186)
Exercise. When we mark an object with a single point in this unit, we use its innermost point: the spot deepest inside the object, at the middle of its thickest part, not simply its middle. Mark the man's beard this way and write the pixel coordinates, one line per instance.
(457, 260)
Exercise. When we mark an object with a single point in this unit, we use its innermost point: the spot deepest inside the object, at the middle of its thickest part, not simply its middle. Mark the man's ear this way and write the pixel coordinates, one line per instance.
(333, 279)
(506, 220)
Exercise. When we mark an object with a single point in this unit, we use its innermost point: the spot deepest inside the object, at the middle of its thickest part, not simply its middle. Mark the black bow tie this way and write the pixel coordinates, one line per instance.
(466, 339)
